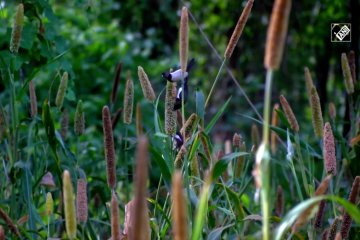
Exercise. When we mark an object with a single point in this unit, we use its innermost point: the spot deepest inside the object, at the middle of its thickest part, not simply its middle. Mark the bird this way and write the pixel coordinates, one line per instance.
(179, 95)
(176, 76)
(178, 140)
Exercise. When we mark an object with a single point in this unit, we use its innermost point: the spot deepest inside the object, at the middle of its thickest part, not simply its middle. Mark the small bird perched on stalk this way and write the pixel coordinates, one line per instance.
(177, 140)
(175, 76)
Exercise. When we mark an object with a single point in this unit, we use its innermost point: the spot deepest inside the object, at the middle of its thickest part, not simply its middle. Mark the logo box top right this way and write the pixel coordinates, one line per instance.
(340, 32)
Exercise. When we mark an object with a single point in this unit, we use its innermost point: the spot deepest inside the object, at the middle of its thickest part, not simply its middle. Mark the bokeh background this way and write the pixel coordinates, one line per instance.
(93, 36)
(88, 38)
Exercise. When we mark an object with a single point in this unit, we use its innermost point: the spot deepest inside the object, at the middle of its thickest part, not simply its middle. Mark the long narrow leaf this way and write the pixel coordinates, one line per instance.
(217, 116)
(291, 217)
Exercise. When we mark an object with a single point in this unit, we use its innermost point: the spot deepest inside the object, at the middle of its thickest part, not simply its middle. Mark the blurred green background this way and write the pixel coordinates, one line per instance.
(93, 36)
(88, 38)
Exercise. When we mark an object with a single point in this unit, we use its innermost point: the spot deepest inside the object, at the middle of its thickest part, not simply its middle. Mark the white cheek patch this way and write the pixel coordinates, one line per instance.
(177, 75)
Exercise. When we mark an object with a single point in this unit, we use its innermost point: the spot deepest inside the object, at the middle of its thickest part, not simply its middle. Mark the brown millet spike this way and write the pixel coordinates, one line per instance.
(128, 100)
(308, 81)
(17, 29)
(275, 123)
(236, 140)
(255, 136)
(332, 110)
(276, 34)
(238, 29)
(289, 114)
(306, 214)
(64, 124)
(329, 150)
(349, 84)
(170, 114)
(333, 229)
(2, 233)
(9, 223)
(325, 234)
(69, 206)
(353, 197)
(81, 201)
(323, 186)
(320, 215)
(317, 119)
(279, 207)
(184, 38)
(141, 177)
(115, 221)
(179, 208)
(180, 157)
(129, 219)
(189, 126)
(146, 87)
(33, 101)
(79, 119)
(352, 65)
(109, 148)
(338, 236)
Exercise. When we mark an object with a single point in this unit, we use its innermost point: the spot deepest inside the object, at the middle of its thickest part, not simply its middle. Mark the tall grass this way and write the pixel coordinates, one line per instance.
(133, 182)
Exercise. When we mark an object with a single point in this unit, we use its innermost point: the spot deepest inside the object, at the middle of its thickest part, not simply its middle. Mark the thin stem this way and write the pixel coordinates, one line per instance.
(183, 101)
(126, 163)
(265, 161)
(227, 69)
(332, 193)
(301, 163)
(266, 128)
(14, 117)
(352, 132)
(216, 79)
(296, 180)
(48, 227)
(157, 194)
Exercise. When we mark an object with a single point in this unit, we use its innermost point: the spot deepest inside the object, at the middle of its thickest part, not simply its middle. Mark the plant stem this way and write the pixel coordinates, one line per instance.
(301, 162)
(352, 130)
(183, 101)
(216, 79)
(48, 228)
(126, 164)
(14, 117)
(296, 181)
(267, 108)
(265, 161)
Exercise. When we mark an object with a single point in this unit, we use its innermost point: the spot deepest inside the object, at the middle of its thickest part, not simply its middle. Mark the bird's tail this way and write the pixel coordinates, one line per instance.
(190, 65)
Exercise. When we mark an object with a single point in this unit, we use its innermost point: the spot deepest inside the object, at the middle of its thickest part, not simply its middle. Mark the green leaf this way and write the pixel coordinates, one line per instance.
(236, 202)
(161, 135)
(28, 36)
(217, 116)
(164, 168)
(216, 233)
(161, 210)
(200, 104)
(283, 134)
(50, 133)
(222, 164)
(49, 125)
(201, 212)
(294, 213)
(156, 114)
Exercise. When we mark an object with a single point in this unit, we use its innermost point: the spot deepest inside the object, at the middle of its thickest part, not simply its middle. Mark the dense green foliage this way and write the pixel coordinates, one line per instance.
(88, 39)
